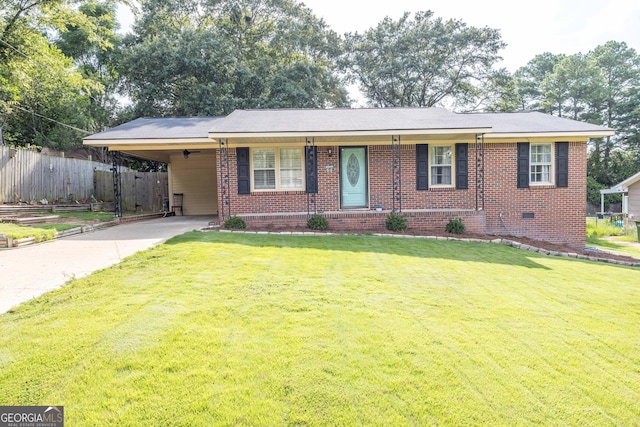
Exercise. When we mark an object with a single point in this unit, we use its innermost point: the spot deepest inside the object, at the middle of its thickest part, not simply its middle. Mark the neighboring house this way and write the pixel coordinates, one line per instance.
(520, 174)
(630, 190)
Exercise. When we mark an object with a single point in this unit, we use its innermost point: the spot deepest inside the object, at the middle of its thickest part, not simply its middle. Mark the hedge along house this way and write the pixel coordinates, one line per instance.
(520, 174)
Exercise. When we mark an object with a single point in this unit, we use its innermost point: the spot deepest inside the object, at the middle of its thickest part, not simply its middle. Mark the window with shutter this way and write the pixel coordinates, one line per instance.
(279, 169)
(540, 163)
(441, 165)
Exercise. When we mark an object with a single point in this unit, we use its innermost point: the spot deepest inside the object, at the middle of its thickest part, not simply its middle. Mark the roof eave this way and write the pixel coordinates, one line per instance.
(629, 181)
(151, 142)
(578, 134)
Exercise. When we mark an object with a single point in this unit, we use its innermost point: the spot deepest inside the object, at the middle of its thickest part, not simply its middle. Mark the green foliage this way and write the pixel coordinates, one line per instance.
(395, 222)
(455, 226)
(593, 192)
(44, 99)
(57, 227)
(318, 222)
(614, 168)
(530, 78)
(94, 45)
(235, 222)
(20, 232)
(409, 62)
(209, 58)
(88, 216)
(603, 228)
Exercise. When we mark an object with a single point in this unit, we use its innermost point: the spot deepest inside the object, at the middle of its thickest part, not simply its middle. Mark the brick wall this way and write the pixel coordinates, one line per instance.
(558, 213)
(423, 221)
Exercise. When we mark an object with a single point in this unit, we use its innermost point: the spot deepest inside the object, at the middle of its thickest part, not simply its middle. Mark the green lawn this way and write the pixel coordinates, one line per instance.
(603, 235)
(39, 232)
(614, 246)
(87, 216)
(49, 231)
(20, 232)
(264, 330)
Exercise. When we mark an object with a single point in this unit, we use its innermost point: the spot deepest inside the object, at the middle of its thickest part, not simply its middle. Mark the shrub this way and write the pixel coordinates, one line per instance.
(235, 222)
(455, 226)
(317, 222)
(396, 222)
(603, 228)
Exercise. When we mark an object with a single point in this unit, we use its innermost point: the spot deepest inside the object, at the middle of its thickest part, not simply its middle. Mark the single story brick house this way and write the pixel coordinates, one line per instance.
(519, 174)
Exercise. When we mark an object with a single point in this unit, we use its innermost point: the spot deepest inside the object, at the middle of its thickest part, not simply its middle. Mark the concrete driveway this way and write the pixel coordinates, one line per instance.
(31, 271)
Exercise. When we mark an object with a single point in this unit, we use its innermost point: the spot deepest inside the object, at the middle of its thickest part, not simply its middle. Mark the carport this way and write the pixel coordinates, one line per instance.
(183, 144)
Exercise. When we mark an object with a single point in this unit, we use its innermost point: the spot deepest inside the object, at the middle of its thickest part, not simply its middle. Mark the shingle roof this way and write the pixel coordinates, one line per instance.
(160, 128)
(533, 122)
(344, 120)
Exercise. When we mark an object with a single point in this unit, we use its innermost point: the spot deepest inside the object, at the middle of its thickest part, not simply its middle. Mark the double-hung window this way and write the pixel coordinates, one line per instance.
(441, 165)
(540, 164)
(277, 169)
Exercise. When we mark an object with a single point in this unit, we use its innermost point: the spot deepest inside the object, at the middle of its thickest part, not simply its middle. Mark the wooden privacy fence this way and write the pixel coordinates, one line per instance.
(29, 176)
(139, 191)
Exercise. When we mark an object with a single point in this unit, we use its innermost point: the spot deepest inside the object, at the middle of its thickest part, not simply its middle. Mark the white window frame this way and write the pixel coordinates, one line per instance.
(535, 163)
(432, 148)
(278, 170)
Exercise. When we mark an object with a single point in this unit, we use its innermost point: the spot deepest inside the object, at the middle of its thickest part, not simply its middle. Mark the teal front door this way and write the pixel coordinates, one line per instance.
(353, 177)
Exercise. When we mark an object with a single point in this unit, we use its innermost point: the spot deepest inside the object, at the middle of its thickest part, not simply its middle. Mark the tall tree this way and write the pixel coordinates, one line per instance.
(94, 46)
(211, 57)
(49, 98)
(618, 108)
(573, 87)
(422, 61)
(44, 98)
(529, 81)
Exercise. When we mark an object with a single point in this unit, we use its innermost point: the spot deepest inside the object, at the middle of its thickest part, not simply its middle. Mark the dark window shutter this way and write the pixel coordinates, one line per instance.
(562, 164)
(422, 167)
(523, 165)
(462, 166)
(244, 175)
(311, 168)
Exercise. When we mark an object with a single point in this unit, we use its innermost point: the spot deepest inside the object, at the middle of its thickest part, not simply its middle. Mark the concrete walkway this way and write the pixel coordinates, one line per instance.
(31, 271)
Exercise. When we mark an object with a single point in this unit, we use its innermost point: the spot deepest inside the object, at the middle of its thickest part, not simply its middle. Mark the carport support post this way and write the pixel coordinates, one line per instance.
(479, 172)
(115, 169)
(225, 183)
(396, 157)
